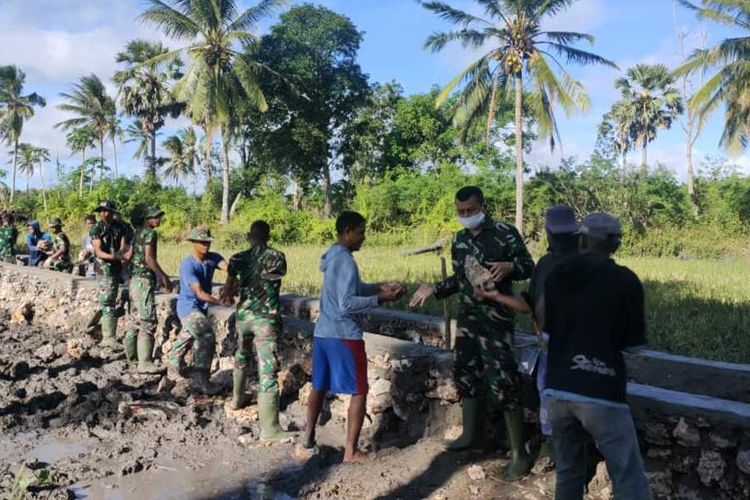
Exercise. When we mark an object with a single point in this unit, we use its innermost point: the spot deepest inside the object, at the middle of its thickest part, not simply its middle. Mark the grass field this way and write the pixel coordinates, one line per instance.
(694, 307)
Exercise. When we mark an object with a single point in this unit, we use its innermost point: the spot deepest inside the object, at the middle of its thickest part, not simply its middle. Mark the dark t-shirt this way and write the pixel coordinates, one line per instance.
(593, 311)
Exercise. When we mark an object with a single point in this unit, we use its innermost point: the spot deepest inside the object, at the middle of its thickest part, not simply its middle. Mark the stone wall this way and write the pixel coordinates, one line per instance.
(692, 415)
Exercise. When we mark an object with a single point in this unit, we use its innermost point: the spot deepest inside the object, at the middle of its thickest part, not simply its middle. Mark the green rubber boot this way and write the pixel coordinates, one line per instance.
(521, 462)
(268, 413)
(202, 382)
(109, 334)
(239, 398)
(473, 416)
(131, 349)
(145, 356)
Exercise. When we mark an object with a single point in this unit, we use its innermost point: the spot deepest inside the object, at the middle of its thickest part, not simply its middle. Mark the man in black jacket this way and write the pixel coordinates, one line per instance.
(593, 311)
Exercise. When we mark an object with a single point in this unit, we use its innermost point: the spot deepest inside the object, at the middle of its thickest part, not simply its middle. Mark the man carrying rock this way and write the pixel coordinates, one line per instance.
(59, 256)
(257, 273)
(593, 311)
(112, 251)
(86, 258)
(146, 273)
(338, 359)
(196, 281)
(492, 255)
(8, 237)
(38, 243)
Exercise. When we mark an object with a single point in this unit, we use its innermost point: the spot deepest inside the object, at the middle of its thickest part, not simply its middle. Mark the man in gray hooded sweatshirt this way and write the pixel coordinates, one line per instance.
(339, 362)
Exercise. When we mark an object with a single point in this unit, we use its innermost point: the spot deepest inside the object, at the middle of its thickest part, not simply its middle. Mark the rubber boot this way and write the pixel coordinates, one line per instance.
(109, 334)
(268, 413)
(131, 350)
(202, 383)
(145, 356)
(521, 462)
(471, 434)
(239, 398)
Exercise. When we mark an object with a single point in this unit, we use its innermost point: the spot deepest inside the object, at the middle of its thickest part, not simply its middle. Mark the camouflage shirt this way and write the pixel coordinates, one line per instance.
(59, 240)
(259, 271)
(498, 242)
(110, 235)
(143, 236)
(8, 237)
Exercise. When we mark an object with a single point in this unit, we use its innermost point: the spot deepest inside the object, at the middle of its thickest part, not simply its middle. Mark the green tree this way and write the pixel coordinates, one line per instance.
(182, 150)
(315, 50)
(78, 140)
(146, 89)
(15, 108)
(218, 75)
(649, 102)
(92, 107)
(27, 160)
(730, 59)
(519, 55)
(115, 133)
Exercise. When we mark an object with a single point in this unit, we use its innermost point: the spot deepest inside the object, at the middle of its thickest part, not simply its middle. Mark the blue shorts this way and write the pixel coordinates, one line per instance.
(339, 366)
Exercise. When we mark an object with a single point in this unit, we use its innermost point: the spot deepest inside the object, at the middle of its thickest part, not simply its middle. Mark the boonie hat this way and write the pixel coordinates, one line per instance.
(201, 233)
(560, 219)
(600, 224)
(107, 205)
(153, 212)
(55, 222)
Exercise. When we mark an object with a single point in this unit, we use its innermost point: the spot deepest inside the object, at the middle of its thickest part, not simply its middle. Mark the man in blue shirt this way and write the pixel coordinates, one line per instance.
(196, 280)
(339, 359)
(37, 242)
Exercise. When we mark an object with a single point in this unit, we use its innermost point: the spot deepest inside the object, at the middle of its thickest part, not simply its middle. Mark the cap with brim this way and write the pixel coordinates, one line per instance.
(55, 222)
(560, 219)
(109, 206)
(600, 224)
(153, 212)
(202, 234)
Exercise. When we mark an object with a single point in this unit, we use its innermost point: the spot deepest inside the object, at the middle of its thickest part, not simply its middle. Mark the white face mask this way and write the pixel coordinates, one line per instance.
(472, 222)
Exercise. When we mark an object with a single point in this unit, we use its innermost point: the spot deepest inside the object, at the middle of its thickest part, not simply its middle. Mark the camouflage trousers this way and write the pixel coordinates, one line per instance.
(195, 328)
(259, 332)
(62, 265)
(107, 298)
(142, 318)
(484, 354)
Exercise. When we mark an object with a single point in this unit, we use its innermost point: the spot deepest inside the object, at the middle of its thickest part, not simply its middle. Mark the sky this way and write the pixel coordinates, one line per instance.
(57, 41)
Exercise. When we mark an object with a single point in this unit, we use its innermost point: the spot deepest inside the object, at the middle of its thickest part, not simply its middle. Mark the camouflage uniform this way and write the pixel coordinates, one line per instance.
(62, 263)
(196, 327)
(142, 286)
(110, 235)
(485, 329)
(8, 237)
(259, 271)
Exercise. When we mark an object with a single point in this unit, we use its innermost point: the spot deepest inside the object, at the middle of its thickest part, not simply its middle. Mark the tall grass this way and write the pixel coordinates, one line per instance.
(693, 307)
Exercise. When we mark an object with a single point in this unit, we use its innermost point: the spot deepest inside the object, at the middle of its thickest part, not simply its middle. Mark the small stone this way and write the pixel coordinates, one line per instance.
(687, 435)
(476, 473)
(46, 353)
(543, 465)
(399, 365)
(659, 453)
(660, 483)
(658, 434)
(247, 439)
(743, 461)
(474, 490)
(453, 433)
(381, 386)
(600, 484)
(722, 441)
(243, 415)
(711, 467)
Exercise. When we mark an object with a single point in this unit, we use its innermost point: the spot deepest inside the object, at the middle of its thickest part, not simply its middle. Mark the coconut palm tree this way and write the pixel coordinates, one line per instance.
(215, 31)
(146, 89)
(650, 101)
(730, 60)
(92, 106)
(26, 162)
(179, 163)
(79, 139)
(42, 157)
(15, 108)
(115, 134)
(519, 58)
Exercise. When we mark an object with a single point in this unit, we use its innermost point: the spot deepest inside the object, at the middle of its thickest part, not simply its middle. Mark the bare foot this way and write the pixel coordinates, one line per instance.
(358, 457)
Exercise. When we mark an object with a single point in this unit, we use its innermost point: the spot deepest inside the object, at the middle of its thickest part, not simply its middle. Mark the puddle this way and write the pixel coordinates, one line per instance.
(52, 451)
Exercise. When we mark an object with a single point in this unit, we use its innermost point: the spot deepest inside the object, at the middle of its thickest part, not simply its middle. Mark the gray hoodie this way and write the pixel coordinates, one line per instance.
(344, 298)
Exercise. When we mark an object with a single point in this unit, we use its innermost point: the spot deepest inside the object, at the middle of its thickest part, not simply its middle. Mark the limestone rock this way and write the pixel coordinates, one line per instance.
(46, 353)
(660, 483)
(600, 484)
(659, 453)
(476, 473)
(687, 435)
(453, 433)
(658, 434)
(711, 467)
(743, 461)
(722, 441)
(291, 380)
(304, 393)
(686, 493)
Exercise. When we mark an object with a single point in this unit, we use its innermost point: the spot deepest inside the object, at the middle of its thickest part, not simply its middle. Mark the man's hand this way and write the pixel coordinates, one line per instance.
(423, 293)
(481, 294)
(500, 270)
(397, 286)
(166, 283)
(387, 292)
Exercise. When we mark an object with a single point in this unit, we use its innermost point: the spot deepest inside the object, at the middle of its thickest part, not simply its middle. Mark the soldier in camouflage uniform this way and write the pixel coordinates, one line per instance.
(8, 237)
(111, 250)
(258, 273)
(59, 259)
(485, 329)
(145, 271)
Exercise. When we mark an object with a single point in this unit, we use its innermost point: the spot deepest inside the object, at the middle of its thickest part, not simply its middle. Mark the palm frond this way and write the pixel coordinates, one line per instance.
(250, 18)
(567, 37)
(172, 22)
(579, 56)
(453, 15)
(471, 71)
(468, 38)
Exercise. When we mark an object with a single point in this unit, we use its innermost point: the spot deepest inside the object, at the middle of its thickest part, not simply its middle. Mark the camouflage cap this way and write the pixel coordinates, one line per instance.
(107, 205)
(153, 212)
(55, 222)
(200, 233)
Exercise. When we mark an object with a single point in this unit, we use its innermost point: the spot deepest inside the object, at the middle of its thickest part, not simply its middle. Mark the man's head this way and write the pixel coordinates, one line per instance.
(153, 217)
(350, 228)
(89, 221)
(55, 225)
(601, 233)
(259, 233)
(106, 210)
(32, 227)
(562, 229)
(7, 219)
(470, 206)
(201, 239)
